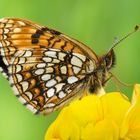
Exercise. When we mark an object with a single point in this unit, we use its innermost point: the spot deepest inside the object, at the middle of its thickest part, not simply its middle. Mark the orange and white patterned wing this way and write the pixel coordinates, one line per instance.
(46, 68)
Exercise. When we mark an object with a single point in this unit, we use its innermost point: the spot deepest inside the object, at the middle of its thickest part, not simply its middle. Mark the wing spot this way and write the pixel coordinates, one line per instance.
(39, 71)
(63, 69)
(30, 107)
(41, 65)
(25, 85)
(46, 77)
(47, 59)
(18, 68)
(16, 92)
(76, 61)
(0, 44)
(28, 53)
(61, 56)
(76, 69)
(19, 77)
(22, 60)
(72, 79)
(8, 25)
(51, 54)
(29, 94)
(55, 61)
(51, 83)
(49, 105)
(61, 94)
(7, 42)
(6, 31)
(50, 92)
(59, 86)
(22, 100)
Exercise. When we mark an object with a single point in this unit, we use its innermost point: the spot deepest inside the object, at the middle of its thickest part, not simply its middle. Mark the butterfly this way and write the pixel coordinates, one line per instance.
(46, 68)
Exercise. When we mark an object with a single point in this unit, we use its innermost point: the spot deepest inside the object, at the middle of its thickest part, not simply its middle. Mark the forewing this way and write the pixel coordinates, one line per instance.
(46, 68)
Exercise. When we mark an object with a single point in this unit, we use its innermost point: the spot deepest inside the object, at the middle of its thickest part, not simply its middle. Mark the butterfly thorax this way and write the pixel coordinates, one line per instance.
(101, 74)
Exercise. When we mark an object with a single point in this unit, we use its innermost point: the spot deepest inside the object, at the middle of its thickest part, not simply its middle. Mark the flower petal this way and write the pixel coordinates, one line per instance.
(114, 106)
(63, 128)
(84, 110)
(131, 124)
(102, 130)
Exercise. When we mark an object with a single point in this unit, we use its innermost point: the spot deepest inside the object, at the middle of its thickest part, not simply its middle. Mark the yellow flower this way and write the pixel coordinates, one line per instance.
(109, 117)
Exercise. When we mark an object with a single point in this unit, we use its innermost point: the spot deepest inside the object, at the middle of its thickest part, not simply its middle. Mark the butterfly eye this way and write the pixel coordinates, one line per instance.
(109, 59)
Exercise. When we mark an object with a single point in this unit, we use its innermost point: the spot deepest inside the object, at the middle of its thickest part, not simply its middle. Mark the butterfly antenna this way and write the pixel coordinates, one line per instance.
(117, 41)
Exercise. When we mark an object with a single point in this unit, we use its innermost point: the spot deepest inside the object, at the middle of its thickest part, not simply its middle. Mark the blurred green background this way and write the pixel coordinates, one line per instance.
(93, 22)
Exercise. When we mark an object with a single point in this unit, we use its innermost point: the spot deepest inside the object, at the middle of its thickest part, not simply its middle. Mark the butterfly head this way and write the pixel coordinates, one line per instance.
(106, 63)
(108, 60)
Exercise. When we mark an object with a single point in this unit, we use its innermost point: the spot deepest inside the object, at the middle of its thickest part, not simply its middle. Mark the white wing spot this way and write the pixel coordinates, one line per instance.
(72, 79)
(6, 31)
(19, 77)
(21, 60)
(61, 94)
(28, 53)
(76, 61)
(51, 83)
(50, 64)
(24, 85)
(0, 44)
(50, 105)
(55, 61)
(51, 54)
(7, 42)
(39, 71)
(4, 36)
(5, 61)
(76, 69)
(18, 68)
(29, 94)
(59, 87)
(61, 56)
(2, 52)
(30, 107)
(47, 59)
(50, 92)
(22, 100)
(63, 69)
(8, 25)
(46, 77)
(16, 92)
(41, 65)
